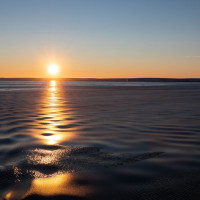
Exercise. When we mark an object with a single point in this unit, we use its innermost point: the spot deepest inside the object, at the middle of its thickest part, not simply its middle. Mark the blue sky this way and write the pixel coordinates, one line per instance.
(107, 38)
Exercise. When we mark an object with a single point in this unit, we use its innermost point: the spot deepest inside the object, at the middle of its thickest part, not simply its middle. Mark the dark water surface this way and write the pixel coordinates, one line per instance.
(99, 140)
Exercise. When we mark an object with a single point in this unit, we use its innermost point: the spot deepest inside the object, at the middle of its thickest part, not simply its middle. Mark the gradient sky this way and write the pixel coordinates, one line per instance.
(100, 38)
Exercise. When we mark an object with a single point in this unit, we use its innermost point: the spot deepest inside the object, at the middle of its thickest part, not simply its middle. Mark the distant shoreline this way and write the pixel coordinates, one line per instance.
(107, 79)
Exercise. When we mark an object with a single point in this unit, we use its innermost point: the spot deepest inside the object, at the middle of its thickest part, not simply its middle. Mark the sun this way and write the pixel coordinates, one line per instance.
(52, 69)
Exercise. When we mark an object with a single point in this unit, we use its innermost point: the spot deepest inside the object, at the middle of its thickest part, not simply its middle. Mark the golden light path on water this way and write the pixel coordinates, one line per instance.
(58, 182)
(58, 185)
(53, 104)
(54, 116)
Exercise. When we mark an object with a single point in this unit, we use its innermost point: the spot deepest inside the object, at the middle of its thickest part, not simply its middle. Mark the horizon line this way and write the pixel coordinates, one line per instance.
(99, 78)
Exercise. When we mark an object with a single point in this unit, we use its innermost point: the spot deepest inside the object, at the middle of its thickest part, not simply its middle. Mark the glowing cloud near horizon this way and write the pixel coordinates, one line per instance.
(53, 69)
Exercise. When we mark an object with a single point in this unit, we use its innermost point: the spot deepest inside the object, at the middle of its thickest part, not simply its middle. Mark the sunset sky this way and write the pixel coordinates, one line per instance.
(100, 38)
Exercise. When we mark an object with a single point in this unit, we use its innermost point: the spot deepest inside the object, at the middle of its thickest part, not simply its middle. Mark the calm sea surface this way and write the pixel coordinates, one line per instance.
(99, 140)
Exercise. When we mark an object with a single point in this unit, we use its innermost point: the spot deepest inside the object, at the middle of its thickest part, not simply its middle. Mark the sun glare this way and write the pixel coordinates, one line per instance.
(53, 69)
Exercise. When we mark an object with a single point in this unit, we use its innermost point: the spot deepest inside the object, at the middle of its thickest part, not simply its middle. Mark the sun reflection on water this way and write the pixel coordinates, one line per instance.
(52, 83)
(59, 185)
(53, 116)
(36, 178)
(62, 184)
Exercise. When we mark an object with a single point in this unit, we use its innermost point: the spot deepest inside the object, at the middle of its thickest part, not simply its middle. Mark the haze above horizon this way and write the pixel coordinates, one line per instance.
(100, 39)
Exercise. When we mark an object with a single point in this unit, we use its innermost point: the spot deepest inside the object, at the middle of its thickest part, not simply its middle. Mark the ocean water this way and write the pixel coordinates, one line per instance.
(99, 140)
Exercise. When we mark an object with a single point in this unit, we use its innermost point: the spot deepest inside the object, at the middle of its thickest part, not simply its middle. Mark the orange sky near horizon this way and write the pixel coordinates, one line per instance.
(115, 68)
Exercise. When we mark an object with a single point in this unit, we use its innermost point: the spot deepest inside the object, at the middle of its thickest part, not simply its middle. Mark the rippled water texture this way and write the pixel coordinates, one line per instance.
(99, 140)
